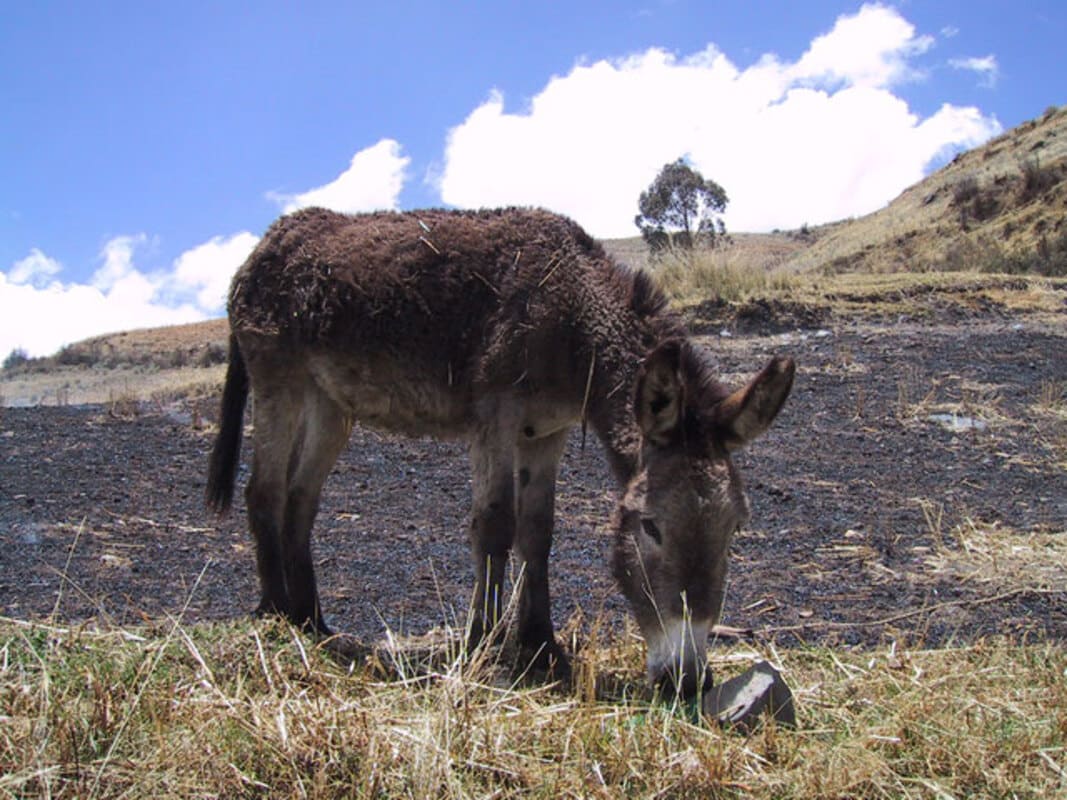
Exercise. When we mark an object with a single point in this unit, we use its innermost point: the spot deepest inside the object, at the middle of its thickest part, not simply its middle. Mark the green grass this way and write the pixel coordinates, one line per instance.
(252, 709)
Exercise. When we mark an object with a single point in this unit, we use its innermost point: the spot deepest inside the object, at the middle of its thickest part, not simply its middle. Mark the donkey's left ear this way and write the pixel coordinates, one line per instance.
(748, 412)
(660, 395)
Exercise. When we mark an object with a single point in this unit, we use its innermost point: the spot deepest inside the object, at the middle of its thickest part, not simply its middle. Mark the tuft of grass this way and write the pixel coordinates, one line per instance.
(990, 553)
(693, 276)
(252, 709)
(124, 404)
(1052, 398)
(1050, 419)
(916, 393)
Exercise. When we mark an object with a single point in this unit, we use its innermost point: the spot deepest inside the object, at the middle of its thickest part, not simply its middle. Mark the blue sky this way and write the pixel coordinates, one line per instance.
(145, 146)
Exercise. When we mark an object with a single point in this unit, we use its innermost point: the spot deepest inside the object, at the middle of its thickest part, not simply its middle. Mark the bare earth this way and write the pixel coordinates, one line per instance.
(871, 521)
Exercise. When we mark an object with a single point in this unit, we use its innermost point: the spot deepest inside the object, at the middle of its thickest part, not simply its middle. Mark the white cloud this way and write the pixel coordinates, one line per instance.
(818, 139)
(985, 67)
(207, 269)
(36, 269)
(41, 313)
(117, 256)
(870, 48)
(372, 181)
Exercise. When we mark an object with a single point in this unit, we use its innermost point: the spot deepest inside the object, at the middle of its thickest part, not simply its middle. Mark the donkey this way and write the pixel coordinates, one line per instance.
(504, 328)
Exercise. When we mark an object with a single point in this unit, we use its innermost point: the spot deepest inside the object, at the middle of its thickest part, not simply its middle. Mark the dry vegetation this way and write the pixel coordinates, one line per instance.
(998, 208)
(154, 366)
(253, 710)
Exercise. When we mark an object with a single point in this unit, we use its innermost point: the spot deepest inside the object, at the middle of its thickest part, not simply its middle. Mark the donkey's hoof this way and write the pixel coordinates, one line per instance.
(479, 636)
(266, 609)
(317, 628)
(546, 661)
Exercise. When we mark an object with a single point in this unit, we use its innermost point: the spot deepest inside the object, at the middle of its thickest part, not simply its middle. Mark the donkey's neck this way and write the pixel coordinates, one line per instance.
(611, 396)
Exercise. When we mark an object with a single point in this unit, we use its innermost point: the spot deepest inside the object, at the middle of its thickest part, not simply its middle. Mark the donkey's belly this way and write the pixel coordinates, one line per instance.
(396, 397)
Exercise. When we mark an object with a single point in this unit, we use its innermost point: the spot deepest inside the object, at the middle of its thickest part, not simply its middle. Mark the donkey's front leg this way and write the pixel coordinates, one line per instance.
(492, 527)
(538, 463)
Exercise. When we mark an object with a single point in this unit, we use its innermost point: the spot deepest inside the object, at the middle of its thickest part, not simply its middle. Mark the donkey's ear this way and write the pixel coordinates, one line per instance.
(660, 395)
(748, 412)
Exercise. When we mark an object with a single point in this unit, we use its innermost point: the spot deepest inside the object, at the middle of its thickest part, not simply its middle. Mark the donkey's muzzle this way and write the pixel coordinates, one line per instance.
(676, 658)
(694, 681)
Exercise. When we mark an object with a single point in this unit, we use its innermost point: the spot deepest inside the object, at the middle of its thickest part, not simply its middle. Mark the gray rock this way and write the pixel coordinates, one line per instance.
(739, 702)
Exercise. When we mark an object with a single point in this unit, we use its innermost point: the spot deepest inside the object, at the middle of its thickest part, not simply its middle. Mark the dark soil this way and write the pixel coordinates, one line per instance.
(102, 516)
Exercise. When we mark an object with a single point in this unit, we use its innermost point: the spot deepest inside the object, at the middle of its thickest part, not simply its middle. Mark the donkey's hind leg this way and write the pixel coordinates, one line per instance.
(276, 414)
(322, 435)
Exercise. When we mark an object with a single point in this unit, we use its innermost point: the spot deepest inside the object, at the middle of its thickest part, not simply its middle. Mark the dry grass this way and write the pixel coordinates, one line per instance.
(1050, 415)
(692, 276)
(763, 251)
(75, 385)
(990, 554)
(996, 208)
(139, 366)
(249, 709)
(690, 279)
(916, 393)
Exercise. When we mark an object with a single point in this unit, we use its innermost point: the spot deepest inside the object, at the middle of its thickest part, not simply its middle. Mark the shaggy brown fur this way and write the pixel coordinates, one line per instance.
(501, 327)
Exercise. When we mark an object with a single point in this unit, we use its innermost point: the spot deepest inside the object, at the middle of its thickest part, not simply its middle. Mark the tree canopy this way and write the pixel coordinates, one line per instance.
(681, 208)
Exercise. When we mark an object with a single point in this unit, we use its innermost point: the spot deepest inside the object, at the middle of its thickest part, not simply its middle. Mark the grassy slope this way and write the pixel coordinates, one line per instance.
(927, 227)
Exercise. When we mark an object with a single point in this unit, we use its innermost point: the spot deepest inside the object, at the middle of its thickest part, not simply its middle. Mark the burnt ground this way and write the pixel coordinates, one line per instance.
(870, 520)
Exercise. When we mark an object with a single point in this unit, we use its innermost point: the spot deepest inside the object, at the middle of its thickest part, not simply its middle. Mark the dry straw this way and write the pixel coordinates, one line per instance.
(253, 709)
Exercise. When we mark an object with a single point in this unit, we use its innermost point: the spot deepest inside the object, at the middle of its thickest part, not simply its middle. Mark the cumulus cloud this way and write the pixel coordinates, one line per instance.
(985, 67)
(870, 48)
(818, 139)
(206, 270)
(117, 267)
(35, 270)
(42, 313)
(372, 181)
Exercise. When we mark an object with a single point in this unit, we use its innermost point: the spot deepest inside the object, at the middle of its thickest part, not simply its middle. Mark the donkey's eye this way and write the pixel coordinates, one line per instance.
(651, 531)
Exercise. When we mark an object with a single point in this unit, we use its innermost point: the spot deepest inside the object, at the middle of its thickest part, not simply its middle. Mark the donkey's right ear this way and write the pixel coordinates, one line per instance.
(749, 411)
(660, 396)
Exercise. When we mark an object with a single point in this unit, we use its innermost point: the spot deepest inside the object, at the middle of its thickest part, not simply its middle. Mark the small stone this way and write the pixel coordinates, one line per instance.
(738, 702)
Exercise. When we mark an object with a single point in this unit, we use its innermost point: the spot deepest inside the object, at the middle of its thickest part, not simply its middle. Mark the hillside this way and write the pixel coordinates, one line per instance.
(155, 364)
(997, 208)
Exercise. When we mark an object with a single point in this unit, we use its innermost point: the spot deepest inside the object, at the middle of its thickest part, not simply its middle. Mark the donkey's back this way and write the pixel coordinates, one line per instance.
(427, 285)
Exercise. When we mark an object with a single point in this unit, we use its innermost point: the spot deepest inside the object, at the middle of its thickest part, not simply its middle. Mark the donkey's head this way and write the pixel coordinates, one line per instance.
(675, 522)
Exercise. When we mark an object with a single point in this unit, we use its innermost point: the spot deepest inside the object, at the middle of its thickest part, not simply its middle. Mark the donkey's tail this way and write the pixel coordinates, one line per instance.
(222, 469)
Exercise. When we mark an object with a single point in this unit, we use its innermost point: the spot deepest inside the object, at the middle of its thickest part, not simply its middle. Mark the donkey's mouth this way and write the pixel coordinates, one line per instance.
(691, 684)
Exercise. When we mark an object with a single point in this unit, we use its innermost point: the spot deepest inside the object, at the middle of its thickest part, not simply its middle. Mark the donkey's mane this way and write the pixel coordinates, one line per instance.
(704, 392)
